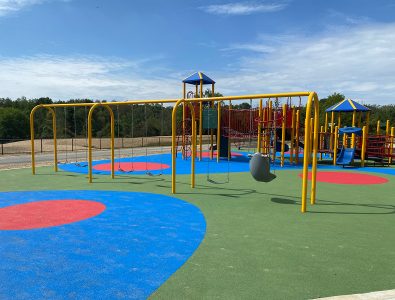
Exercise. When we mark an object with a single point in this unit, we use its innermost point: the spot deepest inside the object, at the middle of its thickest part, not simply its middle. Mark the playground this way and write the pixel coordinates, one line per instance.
(261, 202)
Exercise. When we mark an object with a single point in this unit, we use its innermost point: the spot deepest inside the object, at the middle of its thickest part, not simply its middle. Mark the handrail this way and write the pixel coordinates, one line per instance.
(158, 101)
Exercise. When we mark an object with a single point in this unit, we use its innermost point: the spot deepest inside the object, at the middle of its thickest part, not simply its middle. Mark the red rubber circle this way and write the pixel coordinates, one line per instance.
(347, 178)
(48, 213)
(131, 166)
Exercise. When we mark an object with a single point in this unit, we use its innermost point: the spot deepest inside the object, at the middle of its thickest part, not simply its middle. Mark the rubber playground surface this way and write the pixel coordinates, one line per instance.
(129, 238)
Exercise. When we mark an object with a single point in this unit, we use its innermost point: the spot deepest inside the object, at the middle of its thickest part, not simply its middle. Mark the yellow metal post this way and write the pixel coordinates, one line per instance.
(263, 119)
(387, 128)
(90, 177)
(193, 150)
(339, 119)
(55, 146)
(315, 150)
(183, 131)
(183, 121)
(174, 146)
(270, 127)
(321, 138)
(297, 135)
(335, 145)
(284, 124)
(354, 116)
(258, 147)
(291, 156)
(200, 129)
(212, 137)
(201, 121)
(332, 130)
(275, 134)
(219, 131)
(310, 150)
(378, 128)
(363, 150)
(267, 124)
(229, 141)
(211, 131)
(306, 154)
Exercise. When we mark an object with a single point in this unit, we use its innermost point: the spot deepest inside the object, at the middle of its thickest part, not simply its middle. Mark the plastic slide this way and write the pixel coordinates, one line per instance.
(346, 156)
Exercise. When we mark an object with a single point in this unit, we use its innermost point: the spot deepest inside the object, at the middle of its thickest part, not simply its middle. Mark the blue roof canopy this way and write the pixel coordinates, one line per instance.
(347, 105)
(350, 130)
(196, 77)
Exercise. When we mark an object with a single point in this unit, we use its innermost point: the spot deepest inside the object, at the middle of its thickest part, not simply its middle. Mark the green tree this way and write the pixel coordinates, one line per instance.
(14, 124)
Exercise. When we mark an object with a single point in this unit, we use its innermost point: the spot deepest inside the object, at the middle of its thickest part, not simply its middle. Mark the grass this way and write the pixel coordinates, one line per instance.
(258, 245)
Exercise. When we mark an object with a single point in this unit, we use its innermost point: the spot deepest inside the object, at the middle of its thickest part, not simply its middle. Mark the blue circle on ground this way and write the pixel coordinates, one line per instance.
(128, 251)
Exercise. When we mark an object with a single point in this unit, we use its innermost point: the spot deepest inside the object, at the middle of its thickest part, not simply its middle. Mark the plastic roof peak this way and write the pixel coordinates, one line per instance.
(347, 105)
(195, 79)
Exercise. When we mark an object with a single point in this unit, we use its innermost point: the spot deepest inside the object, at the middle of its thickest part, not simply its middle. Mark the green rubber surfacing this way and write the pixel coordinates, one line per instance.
(258, 245)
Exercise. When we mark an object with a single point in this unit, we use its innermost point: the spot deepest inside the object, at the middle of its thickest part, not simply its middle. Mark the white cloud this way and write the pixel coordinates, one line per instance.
(250, 47)
(240, 8)
(62, 78)
(9, 6)
(357, 61)
(347, 18)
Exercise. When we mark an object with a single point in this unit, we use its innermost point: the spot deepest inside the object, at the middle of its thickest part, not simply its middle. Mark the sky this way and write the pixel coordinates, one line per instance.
(143, 49)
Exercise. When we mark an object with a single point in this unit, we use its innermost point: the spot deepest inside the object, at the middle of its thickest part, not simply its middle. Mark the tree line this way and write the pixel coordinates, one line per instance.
(131, 120)
(71, 122)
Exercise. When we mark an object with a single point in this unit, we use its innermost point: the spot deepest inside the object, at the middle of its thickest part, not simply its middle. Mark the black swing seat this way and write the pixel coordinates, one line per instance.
(260, 168)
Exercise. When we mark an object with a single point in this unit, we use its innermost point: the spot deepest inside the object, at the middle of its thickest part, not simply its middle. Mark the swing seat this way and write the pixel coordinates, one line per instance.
(260, 168)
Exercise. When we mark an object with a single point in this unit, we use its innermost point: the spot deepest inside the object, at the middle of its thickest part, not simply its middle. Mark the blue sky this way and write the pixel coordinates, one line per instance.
(120, 49)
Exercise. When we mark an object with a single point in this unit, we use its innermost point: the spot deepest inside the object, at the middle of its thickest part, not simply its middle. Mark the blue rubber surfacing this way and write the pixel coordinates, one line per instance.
(127, 251)
(183, 167)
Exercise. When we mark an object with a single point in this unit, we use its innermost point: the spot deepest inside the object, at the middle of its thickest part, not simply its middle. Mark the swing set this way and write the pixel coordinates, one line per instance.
(77, 162)
(261, 124)
(132, 136)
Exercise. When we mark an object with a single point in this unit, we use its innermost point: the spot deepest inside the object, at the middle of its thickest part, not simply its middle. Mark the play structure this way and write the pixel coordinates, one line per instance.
(346, 142)
(264, 126)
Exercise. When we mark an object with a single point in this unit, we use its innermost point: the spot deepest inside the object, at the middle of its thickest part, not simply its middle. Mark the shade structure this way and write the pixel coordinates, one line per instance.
(350, 130)
(347, 105)
(195, 79)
